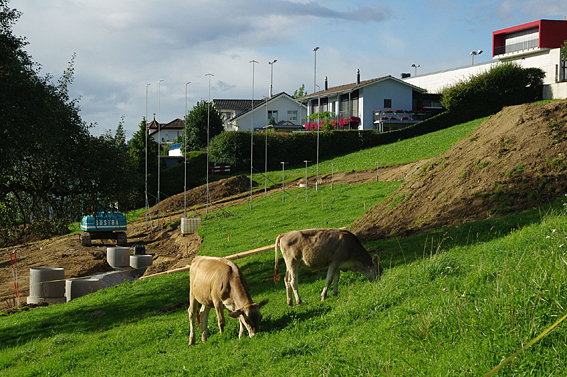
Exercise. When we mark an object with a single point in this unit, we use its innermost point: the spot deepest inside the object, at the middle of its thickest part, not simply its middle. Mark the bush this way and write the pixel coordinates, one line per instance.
(487, 93)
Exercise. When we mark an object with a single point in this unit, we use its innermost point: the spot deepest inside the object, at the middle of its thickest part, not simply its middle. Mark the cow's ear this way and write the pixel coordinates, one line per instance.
(235, 314)
(263, 303)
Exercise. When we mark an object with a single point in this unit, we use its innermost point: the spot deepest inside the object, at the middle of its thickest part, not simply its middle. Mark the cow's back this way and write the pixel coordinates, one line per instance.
(210, 279)
(316, 249)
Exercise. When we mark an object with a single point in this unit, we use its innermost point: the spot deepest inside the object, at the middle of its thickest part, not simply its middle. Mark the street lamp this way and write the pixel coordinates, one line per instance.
(146, 149)
(184, 153)
(252, 133)
(208, 106)
(415, 66)
(266, 152)
(318, 131)
(473, 53)
(272, 76)
(315, 69)
(159, 149)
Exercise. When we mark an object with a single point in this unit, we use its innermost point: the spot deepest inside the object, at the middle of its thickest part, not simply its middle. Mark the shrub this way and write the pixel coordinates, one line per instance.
(487, 93)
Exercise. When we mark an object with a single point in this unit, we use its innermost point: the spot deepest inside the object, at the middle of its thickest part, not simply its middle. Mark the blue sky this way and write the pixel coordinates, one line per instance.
(122, 45)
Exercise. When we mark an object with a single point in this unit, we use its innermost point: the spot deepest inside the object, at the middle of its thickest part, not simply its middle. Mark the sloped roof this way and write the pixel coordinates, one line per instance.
(176, 124)
(236, 104)
(355, 86)
(261, 102)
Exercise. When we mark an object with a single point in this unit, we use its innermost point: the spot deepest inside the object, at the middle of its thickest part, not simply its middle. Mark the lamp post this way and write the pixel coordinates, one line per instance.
(415, 66)
(184, 158)
(146, 150)
(315, 69)
(252, 133)
(159, 149)
(208, 121)
(473, 53)
(318, 131)
(266, 153)
(272, 76)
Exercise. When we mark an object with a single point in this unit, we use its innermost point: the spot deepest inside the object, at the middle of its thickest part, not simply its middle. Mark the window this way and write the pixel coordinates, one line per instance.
(387, 103)
(273, 114)
(432, 104)
(292, 115)
(226, 115)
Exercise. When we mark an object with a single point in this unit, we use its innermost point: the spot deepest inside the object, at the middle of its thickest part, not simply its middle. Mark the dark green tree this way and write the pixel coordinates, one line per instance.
(564, 51)
(51, 166)
(202, 115)
(137, 151)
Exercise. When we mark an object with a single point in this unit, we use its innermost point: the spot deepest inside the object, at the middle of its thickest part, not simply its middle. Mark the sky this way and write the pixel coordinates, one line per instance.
(121, 46)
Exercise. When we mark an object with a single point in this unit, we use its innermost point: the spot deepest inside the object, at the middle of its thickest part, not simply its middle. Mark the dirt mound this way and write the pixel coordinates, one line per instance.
(218, 190)
(515, 160)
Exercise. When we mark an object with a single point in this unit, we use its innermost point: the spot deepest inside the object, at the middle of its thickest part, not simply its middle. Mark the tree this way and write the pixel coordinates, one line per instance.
(51, 166)
(137, 151)
(300, 92)
(119, 138)
(564, 51)
(202, 115)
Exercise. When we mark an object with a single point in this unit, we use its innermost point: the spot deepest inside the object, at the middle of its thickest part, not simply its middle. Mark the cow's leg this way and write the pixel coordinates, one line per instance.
(291, 281)
(242, 327)
(204, 320)
(219, 308)
(336, 282)
(193, 307)
(330, 277)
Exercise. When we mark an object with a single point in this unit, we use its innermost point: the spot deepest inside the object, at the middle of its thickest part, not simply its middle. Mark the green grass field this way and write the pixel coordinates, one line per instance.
(456, 301)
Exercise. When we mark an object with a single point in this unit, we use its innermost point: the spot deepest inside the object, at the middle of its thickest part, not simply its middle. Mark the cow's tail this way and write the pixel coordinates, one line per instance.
(276, 273)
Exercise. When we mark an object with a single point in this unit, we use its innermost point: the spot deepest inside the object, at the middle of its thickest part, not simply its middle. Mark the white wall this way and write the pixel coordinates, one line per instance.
(545, 59)
(374, 95)
(281, 104)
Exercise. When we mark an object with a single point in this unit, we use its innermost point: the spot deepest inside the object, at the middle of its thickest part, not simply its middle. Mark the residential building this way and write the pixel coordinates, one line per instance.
(231, 108)
(166, 132)
(287, 114)
(532, 45)
(363, 99)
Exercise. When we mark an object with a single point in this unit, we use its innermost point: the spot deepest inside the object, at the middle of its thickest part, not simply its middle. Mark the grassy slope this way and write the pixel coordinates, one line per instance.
(452, 302)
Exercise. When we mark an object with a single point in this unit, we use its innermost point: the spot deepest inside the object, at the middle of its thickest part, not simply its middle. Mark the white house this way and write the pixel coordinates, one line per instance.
(362, 99)
(286, 112)
(165, 132)
(231, 108)
(532, 45)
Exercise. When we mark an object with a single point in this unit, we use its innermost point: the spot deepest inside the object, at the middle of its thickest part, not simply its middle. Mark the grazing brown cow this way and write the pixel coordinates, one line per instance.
(315, 249)
(219, 283)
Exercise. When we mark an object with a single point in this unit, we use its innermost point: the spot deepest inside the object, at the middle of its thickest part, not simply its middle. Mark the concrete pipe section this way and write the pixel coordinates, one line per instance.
(140, 263)
(118, 257)
(79, 287)
(47, 285)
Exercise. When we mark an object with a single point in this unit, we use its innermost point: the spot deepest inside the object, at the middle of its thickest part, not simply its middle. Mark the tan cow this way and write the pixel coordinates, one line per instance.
(219, 283)
(315, 249)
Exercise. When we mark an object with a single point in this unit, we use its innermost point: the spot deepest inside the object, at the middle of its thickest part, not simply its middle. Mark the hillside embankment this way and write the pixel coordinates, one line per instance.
(514, 161)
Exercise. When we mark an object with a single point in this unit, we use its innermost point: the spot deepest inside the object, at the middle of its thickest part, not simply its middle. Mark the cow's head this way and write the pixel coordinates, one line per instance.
(249, 316)
(374, 271)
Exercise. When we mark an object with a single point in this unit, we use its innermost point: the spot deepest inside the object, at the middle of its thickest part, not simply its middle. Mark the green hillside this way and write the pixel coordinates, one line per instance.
(454, 301)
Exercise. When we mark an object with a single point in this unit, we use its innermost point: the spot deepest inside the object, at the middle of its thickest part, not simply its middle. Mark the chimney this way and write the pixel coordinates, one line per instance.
(358, 76)
(326, 83)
